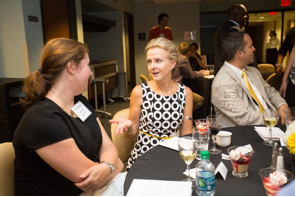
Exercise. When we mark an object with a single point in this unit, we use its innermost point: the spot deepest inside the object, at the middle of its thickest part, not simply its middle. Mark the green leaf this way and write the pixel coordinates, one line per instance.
(201, 182)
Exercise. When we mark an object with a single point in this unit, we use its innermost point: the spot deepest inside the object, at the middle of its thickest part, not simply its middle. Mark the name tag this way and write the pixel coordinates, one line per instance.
(81, 111)
(161, 35)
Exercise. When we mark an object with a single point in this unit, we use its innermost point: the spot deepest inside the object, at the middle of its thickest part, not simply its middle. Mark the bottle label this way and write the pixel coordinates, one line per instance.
(205, 180)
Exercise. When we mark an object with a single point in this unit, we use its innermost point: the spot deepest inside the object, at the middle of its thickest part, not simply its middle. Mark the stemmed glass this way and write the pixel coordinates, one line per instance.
(271, 117)
(214, 125)
(187, 151)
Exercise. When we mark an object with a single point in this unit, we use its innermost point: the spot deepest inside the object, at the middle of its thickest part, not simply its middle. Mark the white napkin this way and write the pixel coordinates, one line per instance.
(242, 149)
(209, 76)
(225, 157)
(113, 188)
(192, 173)
(263, 132)
(170, 143)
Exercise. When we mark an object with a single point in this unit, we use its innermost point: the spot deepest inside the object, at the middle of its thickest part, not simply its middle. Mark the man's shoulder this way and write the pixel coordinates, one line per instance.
(167, 28)
(154, 28)
(222, 75)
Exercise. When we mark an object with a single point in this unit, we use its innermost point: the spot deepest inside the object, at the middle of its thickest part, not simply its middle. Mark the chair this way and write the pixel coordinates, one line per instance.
(122, 142)
(7, 169)
(144, 78)
(266, 70)
(275, 81)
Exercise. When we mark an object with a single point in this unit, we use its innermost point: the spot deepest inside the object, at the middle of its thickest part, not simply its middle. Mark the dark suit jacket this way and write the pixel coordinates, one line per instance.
(226, 28)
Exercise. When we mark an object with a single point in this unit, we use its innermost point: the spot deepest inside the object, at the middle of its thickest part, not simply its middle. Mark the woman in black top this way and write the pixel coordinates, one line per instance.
(59, 152)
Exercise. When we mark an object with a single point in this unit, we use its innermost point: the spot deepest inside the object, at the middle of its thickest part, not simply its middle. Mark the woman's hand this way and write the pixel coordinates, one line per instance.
(94, 178)
(283, 88)
(123, 126)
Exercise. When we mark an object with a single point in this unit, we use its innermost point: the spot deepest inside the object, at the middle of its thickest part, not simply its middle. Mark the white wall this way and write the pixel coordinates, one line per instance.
(21, 41)
(34, 33)
(12, 36)
(182, 17)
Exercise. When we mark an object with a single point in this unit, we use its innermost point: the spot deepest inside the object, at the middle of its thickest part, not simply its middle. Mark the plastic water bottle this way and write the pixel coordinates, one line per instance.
(205, 175)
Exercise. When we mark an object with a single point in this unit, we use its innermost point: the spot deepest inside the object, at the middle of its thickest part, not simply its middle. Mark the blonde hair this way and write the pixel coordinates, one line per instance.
(165, 44)
(184, 48)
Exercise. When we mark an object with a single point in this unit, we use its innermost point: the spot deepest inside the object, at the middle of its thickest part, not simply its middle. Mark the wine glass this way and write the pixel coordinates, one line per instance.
(271, 117)
(187, 151)
(214, 126)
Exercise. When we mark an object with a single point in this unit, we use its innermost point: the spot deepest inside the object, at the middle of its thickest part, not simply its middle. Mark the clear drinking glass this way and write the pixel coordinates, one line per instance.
(271, 117)
(214, 126)
(289, 116)
(201, 134)
(240, 158)
(187, 151)
(271, 188)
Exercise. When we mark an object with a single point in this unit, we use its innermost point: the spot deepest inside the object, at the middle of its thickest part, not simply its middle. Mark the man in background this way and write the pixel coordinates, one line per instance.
(161, 30)
(272, 48)
(237, 18)
(239, 92)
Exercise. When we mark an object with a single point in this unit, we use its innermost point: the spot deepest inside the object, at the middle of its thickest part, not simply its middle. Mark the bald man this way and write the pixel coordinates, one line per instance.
(237, 18)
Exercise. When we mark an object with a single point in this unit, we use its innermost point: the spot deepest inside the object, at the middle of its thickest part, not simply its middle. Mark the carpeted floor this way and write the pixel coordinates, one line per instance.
(118, 105)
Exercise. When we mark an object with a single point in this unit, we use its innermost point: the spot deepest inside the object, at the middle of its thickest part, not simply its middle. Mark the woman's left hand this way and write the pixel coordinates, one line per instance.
(94, 178)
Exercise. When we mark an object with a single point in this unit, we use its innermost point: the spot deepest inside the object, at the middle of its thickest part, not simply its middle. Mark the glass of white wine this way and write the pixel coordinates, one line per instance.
(187, 151)
(271, 117)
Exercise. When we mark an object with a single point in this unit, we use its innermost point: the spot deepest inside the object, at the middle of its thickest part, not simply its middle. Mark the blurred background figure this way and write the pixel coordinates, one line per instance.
(161, 30)
(237, 16)
(183, 71)
(272, 48)
(196, 61)
(289, 80)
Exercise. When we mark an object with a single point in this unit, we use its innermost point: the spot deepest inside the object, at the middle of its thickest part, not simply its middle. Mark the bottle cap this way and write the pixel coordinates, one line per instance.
(276, 145)
(204, 154)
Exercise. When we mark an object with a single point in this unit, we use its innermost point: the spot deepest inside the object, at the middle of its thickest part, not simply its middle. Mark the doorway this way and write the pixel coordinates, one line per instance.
(260, 24)
(129, 51)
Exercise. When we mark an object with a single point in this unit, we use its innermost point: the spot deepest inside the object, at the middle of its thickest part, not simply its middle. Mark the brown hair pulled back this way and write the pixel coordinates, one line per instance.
(53, 60)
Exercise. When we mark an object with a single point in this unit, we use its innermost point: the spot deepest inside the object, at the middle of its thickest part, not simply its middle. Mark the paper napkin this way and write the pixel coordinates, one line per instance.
(263, 132)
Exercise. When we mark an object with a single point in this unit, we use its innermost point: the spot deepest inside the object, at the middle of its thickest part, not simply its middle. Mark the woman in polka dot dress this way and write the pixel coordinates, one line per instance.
(159, 106)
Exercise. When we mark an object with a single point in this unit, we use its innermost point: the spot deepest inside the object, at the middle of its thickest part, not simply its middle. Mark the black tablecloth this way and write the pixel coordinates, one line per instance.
(161, 163)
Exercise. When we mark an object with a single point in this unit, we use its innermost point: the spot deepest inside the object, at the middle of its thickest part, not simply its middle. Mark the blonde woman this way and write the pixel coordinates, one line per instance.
(159, 106)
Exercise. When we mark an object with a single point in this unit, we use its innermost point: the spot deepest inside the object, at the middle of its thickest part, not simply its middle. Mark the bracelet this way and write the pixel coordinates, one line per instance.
(279, 64)
(131, 131)
(110, 166)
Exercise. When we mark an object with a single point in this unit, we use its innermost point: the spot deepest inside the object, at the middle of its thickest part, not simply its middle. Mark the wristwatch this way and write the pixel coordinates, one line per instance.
(110, 165)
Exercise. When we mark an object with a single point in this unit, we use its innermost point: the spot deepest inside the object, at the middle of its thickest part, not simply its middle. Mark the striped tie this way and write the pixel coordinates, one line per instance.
(251, 91)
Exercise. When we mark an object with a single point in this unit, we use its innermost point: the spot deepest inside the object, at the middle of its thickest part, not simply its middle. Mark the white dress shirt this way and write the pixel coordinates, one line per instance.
(239, 72)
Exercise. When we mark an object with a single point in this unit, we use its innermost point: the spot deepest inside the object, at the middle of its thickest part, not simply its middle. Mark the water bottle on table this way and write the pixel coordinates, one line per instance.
(205, 175)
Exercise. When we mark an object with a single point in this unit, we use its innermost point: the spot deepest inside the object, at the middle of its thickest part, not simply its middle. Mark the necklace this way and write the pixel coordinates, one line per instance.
(70, 114)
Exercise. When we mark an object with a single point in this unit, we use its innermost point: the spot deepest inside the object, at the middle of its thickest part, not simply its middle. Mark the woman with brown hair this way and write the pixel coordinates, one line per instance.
(60, 145)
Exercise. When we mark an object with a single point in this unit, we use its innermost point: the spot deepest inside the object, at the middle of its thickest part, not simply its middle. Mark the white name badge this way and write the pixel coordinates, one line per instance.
(81, 111)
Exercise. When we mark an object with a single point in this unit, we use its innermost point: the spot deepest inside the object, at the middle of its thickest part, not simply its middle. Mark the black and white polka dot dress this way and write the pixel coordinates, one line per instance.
(160, 118)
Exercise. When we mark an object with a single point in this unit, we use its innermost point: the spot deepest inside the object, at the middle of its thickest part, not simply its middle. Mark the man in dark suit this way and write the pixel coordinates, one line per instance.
(237, 17)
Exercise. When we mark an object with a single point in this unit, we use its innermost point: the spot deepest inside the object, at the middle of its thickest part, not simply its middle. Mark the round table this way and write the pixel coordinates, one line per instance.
(161, 163)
